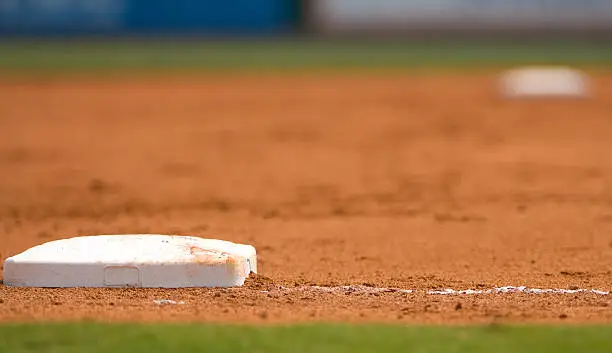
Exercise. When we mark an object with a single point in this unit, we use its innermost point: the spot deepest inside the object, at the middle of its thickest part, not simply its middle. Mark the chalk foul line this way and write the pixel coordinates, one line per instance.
(360, 289)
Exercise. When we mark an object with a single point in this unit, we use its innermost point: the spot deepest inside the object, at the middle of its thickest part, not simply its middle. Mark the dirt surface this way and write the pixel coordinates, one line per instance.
(411, 181)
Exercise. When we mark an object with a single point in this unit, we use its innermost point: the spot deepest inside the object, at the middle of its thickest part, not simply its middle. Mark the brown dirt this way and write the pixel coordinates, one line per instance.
(405, 180)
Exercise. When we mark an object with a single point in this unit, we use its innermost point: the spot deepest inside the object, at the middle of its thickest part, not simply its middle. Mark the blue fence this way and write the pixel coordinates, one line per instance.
(208, 17)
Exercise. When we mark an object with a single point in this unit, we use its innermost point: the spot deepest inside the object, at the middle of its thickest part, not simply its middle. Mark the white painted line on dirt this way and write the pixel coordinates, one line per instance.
(512, 289)
(360, 289)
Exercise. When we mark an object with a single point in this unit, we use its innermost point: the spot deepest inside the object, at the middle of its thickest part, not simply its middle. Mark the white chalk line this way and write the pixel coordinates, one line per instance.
(360, 289)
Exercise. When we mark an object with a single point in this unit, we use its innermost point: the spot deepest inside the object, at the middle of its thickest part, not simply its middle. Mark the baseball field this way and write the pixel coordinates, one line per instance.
(395, 200)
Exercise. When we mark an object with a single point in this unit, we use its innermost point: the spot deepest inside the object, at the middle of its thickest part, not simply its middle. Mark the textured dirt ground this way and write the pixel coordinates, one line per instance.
(406, 180)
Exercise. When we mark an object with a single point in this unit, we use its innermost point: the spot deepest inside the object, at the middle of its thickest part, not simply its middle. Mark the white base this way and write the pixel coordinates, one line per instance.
(543, 82)
(134, 260)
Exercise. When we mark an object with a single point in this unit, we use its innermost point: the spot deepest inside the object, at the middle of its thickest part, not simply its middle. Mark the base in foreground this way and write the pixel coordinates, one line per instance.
(132, 260)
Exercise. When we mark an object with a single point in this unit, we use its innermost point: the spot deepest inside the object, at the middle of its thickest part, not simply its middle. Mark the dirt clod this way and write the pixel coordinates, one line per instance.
(259, 282)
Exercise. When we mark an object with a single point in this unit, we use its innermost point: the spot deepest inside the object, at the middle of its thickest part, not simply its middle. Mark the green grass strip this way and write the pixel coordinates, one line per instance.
(90, 337)
(108, 55)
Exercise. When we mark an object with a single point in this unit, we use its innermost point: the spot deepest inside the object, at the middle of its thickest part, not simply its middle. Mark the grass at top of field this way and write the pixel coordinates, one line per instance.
(25, 57)
(90, 337)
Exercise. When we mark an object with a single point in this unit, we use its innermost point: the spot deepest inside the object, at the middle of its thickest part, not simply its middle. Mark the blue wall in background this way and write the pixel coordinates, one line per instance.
(206, 17)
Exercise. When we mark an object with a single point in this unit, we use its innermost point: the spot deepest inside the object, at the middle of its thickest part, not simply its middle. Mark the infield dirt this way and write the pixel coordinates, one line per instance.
(398, 180)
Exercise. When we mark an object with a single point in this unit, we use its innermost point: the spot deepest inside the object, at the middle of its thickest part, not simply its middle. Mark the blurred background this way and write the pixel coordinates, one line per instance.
(299, 32)
(298, 17)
